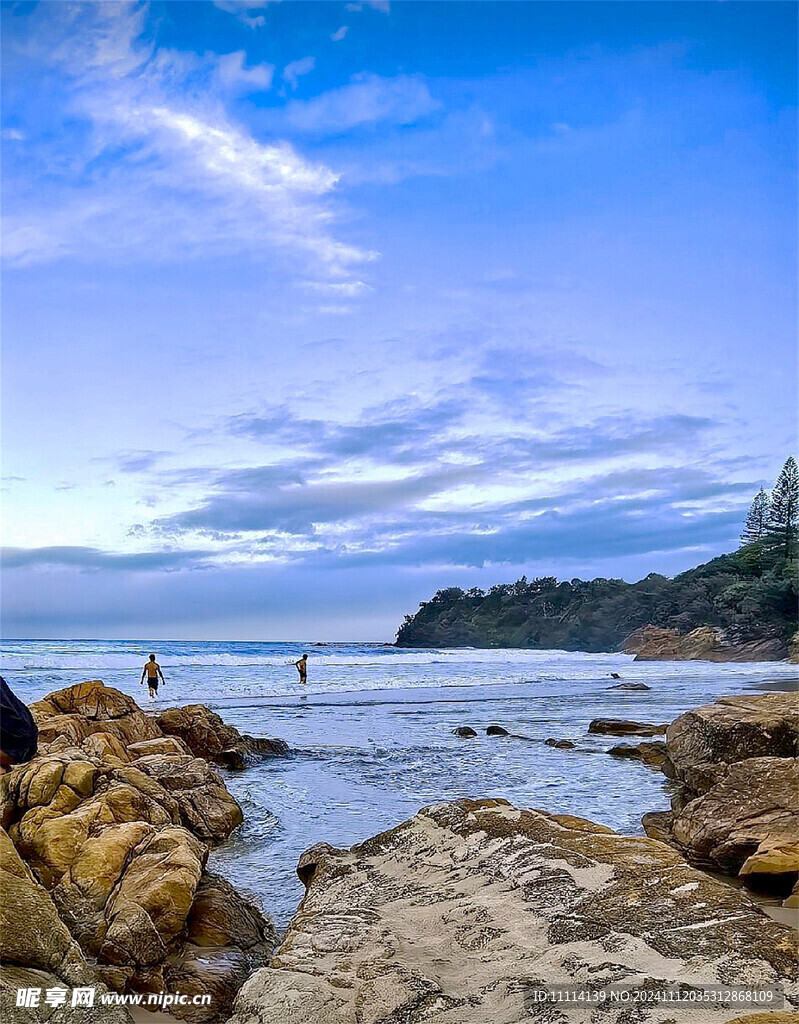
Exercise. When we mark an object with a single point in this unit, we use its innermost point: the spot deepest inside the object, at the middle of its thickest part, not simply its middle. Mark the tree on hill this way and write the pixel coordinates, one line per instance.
(757, 519)
(784, 509)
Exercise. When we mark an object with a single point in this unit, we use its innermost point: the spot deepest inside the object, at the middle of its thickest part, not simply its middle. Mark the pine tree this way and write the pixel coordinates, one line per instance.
(784, 508)
(757, 519)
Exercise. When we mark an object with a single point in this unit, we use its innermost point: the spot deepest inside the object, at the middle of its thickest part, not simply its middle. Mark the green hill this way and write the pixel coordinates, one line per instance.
(751, 594)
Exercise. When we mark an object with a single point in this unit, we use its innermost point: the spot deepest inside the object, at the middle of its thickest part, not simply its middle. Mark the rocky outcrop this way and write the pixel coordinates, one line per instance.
(70, 716)
(755, 804)
(206, 808)
(622, 727)
(706, 643)
(732, 729)
(737, 807)
(453, 915)
(114, 821)
(207, 736)
(650, 753)
(37, 950)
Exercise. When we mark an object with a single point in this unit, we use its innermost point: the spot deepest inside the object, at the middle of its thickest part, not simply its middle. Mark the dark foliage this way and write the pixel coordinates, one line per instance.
(752, 592)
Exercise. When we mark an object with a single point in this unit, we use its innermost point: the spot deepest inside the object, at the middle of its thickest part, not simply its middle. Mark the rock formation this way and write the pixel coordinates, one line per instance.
(622, 727)
(737, 807)
(650, 753)
(206, 735)
(451, 916)
(705, 643)
(114, 821)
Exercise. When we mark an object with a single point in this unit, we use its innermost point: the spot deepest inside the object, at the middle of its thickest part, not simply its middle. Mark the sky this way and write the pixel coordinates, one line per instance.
(311, 309)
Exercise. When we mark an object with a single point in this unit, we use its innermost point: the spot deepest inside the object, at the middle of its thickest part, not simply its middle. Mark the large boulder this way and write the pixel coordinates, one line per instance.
(31, 932)
(733, 729)
(206, 735)
(754, 805)
(206, 807)
(452, 915)
(38, 952)
(736, 808)
(114, 822)
(78, 711)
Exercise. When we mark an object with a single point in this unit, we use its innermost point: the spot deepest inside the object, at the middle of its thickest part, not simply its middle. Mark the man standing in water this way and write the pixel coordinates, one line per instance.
(152, 670)
(302, 668)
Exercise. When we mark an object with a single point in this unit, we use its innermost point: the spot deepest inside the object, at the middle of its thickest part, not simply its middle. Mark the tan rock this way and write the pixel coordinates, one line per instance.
(97, 815)
(448, 917)
(755, 804)
(732, 729)
(162, 745)
(206, 807)
(774, 856)
(31, 932)
(201, 729)
(14, 977)
(90, 707)
(206, 735)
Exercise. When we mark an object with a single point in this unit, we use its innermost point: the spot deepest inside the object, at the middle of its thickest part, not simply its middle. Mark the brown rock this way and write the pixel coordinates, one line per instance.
(650, 753)
(227, 939)
(756, 803)
(206, 735)
(657, 825)
(705, 643)
(206, 807)
(161, 745)
(622, 727)
(221, 917)
(451, 915)
(560, 744)
(77, 711)
(732, 729)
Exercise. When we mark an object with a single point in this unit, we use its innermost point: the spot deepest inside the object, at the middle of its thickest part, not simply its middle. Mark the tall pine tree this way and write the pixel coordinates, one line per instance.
(784, 509)
(757, 519)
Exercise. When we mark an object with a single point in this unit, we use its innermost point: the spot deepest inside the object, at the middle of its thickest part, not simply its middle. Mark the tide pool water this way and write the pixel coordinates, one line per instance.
(371, 733)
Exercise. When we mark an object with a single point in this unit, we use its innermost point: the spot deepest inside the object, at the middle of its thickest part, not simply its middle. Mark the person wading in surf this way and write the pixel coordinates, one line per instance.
(302, 668)
(153, 671)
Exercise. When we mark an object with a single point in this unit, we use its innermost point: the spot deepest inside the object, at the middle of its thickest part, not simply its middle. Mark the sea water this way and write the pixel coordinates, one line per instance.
(372, 737)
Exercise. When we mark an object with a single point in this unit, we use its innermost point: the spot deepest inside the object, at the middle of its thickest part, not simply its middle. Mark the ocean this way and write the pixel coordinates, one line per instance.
(371, 733)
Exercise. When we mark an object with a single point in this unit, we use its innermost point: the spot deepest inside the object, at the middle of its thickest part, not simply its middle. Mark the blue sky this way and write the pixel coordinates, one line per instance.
(313, 308)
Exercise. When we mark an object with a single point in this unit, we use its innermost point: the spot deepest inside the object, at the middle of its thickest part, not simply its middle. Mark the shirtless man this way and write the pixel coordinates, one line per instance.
(302, 668)
(152, 670)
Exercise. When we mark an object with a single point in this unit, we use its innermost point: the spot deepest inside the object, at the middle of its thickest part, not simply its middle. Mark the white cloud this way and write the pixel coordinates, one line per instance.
(368, 99)
(184, 178)
(293, 71)
(232, 72)
(241, 9)
(339, 34)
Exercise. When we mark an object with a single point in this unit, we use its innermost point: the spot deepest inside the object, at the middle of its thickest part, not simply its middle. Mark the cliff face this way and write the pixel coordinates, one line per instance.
(729, 609)
(706, 643)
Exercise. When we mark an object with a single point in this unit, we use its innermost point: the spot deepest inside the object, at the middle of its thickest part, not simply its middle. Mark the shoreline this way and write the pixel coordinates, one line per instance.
(173, 745)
